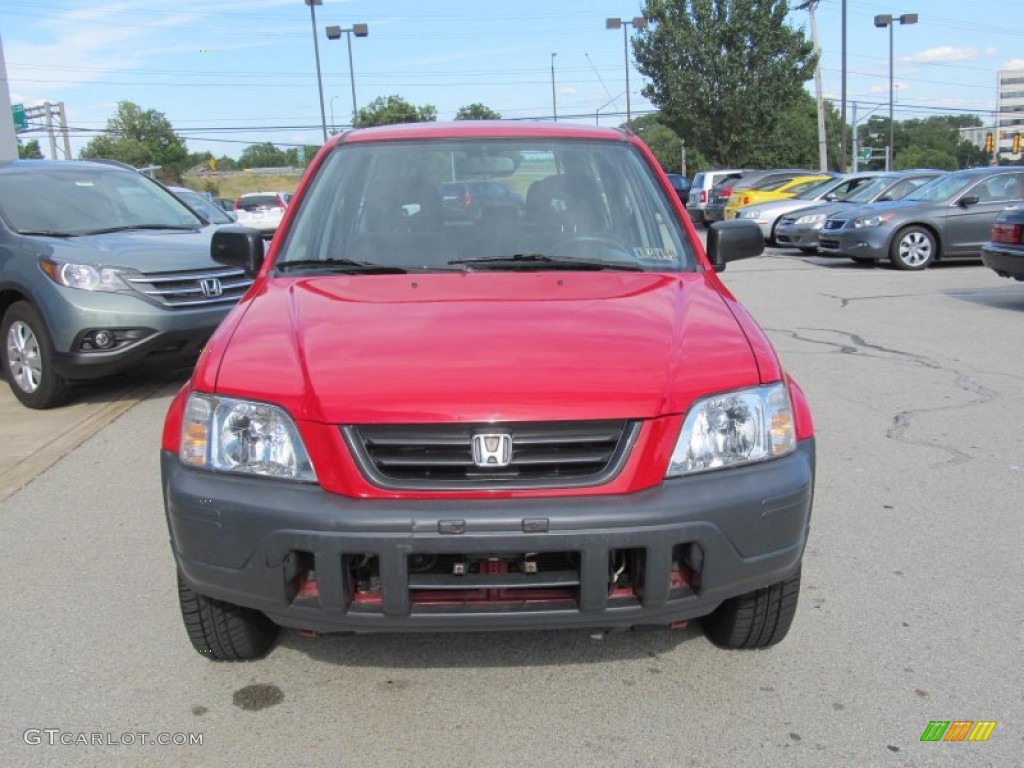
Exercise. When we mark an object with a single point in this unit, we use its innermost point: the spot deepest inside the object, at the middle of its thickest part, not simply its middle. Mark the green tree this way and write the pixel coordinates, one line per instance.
(300, 157)
(140, 137)
(719, 69)
(263, 155)
(30, 150)
(477, 111)
(926, 157)
(225, 163)
(661, 139)
(385, 110)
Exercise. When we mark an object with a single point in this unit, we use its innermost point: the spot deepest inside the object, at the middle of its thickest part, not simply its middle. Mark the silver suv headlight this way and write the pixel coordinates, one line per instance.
(87, 277)
(229, 435)
(734, 428)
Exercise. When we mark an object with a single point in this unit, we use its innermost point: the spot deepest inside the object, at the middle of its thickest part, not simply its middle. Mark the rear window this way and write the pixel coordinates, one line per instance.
(254, 202)
(698, 180)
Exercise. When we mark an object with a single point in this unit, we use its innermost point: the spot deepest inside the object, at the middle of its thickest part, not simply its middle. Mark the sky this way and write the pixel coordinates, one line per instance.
(233, 73)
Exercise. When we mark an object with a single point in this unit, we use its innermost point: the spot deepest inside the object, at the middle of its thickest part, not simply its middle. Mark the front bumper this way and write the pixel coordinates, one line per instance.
(1004, 260)
(866, 242)
(242, 540)
(796, 236)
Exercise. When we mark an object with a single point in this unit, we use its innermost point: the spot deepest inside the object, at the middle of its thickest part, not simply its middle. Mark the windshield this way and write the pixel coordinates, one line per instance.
(941, 189)
(202, 206)
(869, 190)
(81, 200)
(569, 203)
(818, 189)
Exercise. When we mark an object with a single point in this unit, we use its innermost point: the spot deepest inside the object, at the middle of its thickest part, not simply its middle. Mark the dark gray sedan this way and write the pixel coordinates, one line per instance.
(101, 270)
(800, 228)
(1004, 254)
(949, 217)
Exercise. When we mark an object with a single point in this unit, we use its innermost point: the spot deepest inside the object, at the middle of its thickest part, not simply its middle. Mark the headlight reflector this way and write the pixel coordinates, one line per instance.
(230, 435)
(812, 218)
(735, 428)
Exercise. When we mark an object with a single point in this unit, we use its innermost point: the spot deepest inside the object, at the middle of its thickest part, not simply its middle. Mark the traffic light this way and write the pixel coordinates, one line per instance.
(1016, 143)
(990, 143)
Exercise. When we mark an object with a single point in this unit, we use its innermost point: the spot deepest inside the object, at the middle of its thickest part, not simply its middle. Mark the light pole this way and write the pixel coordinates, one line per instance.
(888, 20)
(334, 126)
(316, 48)
(554, 104)
(638, 22)
(359, 30)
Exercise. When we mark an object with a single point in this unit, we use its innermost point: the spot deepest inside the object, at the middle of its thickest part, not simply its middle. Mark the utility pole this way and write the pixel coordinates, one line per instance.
(683, 165)
(809, 6)
(842, 125)
(8, 139)
(554, 104)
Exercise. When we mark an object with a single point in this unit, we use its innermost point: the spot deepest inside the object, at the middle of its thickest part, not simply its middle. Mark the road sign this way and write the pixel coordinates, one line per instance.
(864, 154)
(20, 121)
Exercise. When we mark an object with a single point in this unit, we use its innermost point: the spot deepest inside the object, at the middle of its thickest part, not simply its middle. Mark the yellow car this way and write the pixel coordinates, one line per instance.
(772, 190)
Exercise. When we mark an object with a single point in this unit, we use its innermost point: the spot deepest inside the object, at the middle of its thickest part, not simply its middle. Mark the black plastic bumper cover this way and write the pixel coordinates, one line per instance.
(232, 537)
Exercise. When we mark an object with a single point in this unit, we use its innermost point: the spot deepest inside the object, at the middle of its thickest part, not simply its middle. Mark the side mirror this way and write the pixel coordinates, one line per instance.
(733, 240)
(884, 199)
(965, 202)
(240, 247)
(831, 197)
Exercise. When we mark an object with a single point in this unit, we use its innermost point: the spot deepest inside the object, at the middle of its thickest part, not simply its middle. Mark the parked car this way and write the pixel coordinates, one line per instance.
(723, 190)
(681, 185)
(772, 190)
(413, 424)
(800, 228)
(766, 214)
(262, 210)
(1004, 253)
(225, 202)
(949, 217)
(471, 199)
(212, 213)
(700, 191)
(101, 270)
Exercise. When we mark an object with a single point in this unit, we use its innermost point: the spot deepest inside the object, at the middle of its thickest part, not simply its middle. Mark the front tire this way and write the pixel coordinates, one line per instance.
(758, 619)
(27, 358)
(913, 248)
(223, 631)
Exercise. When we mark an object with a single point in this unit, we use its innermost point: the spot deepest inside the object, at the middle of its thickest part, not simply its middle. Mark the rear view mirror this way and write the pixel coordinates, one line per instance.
(489, 165)
(732, 241)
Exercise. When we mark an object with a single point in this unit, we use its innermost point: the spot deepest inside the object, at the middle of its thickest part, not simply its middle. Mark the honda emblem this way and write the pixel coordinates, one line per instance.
(492, 450)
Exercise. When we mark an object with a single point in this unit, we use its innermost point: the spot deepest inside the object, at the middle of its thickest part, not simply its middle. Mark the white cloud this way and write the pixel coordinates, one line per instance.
(1013, 64)
(943, 53)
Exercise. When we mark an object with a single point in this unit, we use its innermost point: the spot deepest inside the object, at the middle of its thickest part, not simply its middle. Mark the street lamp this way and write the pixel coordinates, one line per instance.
(888, 20)
(316, 48)
(638, 22)
(554, 105)
(334, 126)
(359, 30)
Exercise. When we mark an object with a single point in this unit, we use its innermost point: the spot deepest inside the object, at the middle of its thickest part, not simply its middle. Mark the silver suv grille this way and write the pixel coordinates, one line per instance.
(440, 456)
(194, 288)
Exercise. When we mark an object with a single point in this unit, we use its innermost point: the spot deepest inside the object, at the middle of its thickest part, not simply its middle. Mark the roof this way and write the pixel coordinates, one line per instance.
(496, 129)
(34, 165)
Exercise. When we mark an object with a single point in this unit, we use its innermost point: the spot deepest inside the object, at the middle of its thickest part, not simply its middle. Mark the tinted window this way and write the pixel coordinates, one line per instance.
(382, 203)
(202, 206)
(942, 189)
(254, 202)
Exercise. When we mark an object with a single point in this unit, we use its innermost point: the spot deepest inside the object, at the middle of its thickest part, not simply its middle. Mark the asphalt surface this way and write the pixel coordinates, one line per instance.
(910, 609)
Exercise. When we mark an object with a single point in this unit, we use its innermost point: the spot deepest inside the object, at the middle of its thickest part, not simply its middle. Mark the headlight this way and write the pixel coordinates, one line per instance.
(85, 276)
(230, 435)
(812, 218)
(735, 428)
(872, 221)
(746, 213)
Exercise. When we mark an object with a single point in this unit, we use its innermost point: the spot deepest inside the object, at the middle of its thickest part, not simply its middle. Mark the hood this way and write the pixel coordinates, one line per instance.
(846, 212)
(485, 346)
(162, 250)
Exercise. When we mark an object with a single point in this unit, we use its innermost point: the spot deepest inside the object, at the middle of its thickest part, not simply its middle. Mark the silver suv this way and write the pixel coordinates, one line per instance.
(101, 270)
(700, 191)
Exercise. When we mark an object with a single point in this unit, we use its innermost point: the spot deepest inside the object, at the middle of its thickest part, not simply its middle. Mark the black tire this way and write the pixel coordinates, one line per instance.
(913, 248)
(223, 631)
(809, 250)
(27, 358)
(758, 619)
(864, 260)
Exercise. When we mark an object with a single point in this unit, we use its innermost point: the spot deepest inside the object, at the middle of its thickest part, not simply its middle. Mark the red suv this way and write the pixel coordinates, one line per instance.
(553, 417)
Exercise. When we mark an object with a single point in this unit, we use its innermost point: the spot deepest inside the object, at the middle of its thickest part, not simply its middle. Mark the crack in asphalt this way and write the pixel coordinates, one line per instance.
(900, 424)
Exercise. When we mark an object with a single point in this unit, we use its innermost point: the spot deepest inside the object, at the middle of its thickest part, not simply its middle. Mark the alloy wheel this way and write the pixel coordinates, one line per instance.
(915, 249)
(23, 356)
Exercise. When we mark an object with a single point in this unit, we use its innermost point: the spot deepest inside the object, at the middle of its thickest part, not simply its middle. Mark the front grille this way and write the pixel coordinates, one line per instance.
(833, 224)
(193, 288)
(440, 456)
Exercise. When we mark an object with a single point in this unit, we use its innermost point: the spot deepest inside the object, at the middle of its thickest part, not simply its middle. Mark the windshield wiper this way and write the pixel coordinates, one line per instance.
(340, 265)
(130, 227)
(46, 233)
(540, 261)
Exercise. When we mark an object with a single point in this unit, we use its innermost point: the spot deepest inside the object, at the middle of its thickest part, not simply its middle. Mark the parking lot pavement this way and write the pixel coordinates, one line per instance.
(909, 613)
(35, 440)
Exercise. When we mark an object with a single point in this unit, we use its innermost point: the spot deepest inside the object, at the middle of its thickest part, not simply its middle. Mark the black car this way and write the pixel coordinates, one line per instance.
(1004, 254)
(681, 185)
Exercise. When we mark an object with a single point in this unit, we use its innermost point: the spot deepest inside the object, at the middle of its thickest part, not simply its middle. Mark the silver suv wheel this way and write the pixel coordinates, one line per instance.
(913, 248)
(23, 356)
